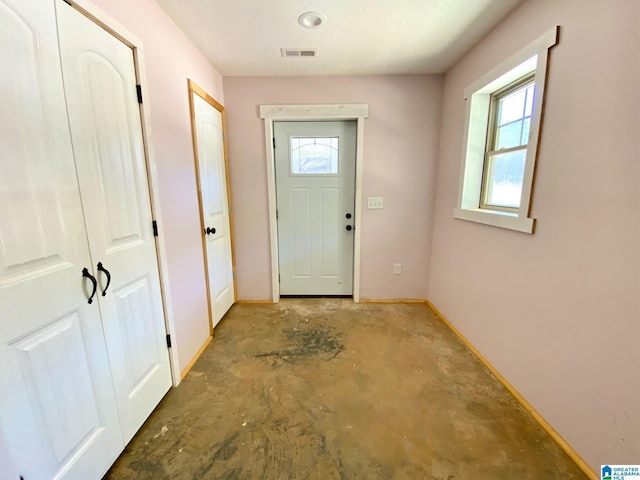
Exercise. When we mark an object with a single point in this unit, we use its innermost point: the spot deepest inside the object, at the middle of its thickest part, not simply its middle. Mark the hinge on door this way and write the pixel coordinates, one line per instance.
(155, 228)
(168, 341)
(278, 278)
(276, 214)
(274, 142)
(139, 92)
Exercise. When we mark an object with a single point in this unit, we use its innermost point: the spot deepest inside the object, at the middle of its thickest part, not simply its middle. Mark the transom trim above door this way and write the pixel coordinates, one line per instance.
(349, 111)
(271, 113)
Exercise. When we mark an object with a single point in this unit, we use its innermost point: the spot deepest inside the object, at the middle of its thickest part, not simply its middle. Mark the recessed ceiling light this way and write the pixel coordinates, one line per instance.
(311, 19)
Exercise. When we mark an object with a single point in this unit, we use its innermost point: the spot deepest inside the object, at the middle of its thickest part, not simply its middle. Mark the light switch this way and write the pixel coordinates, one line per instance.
(374, 202)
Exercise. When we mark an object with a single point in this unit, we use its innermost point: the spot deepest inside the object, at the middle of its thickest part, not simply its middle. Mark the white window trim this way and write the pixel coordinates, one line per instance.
(271, 113)
(533, 57)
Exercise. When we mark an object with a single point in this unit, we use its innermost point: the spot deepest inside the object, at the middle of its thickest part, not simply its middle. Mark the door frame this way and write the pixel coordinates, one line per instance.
(300, 113)
(194, 89)
(108, 23)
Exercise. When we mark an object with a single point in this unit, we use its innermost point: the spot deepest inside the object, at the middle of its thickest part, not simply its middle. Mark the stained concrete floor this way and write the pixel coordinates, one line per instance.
(328, 389)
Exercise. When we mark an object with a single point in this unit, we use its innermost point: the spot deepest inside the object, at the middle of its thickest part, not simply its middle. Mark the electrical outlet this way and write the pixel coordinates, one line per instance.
(374, 203)
(397, 268)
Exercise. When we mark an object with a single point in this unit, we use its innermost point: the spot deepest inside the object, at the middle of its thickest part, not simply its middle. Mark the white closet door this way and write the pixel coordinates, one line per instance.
(58, 416)
(214, 205)
(104, 115)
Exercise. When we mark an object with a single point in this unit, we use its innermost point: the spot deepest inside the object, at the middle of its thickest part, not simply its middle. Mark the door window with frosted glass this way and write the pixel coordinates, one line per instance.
(314, 155)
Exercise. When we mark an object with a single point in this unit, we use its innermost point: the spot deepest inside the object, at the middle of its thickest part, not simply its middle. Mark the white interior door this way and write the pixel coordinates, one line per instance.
(104, 115)
(214, 205)
(315, 185)
(58, 416)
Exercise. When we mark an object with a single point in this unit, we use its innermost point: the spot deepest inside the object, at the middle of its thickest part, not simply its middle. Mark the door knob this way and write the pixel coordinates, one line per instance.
(349, 227)
(211, 230)
(348, 215)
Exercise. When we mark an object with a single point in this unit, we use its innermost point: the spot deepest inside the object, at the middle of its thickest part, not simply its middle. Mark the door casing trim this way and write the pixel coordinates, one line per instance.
(108, 23)
(275, 113)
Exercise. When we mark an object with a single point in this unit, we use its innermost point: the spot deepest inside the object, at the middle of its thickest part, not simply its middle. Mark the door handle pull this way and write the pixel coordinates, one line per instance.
(211, 230)
(349, 227)
(106, 272)
(86, 274)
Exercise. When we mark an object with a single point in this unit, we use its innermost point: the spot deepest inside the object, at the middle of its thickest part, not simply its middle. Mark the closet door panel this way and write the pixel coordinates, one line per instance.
(40, 212)
(58, 416)
(116, 172)
(104, 114)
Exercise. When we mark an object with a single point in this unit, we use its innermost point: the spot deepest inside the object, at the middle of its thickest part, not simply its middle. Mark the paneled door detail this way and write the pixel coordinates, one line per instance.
(315, 184)
(104, 115)
(58, 415)
(214, 201)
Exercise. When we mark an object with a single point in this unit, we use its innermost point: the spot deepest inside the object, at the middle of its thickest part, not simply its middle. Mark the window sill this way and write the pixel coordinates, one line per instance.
(496, 218)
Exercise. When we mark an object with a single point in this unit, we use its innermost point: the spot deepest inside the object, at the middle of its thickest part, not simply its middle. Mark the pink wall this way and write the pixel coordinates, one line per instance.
(558, 312)
(170, 59)
(400, 147)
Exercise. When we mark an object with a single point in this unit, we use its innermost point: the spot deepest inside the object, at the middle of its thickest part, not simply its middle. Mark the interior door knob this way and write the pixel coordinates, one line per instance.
(211, 230)
(349, 227)
(348, 215)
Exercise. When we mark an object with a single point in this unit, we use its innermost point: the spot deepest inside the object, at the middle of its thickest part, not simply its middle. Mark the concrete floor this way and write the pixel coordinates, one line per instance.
(328, 389)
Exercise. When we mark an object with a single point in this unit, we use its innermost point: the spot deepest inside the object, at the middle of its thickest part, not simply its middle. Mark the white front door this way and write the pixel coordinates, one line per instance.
(58, 416)
(214, 203)
(315, 185)
(104, 115)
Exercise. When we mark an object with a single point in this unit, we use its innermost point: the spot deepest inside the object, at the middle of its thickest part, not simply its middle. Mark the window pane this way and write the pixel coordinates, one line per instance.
(513, 117)
(504, 179)
(317, 155)
(509, 135)
(512, 107)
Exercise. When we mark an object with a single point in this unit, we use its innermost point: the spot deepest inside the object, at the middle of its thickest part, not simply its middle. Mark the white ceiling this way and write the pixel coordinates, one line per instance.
(364, 37)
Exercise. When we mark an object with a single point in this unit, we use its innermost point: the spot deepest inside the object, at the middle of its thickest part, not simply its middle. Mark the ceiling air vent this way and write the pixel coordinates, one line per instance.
(299, 52)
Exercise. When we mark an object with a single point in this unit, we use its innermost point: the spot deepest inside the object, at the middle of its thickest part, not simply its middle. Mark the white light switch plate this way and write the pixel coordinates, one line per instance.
(374, 202)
